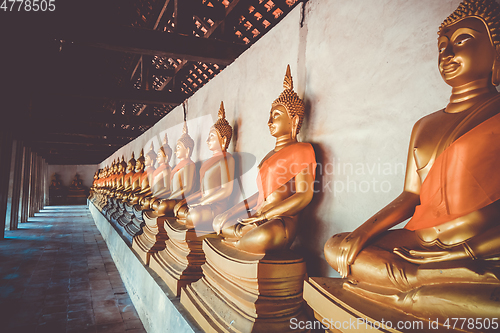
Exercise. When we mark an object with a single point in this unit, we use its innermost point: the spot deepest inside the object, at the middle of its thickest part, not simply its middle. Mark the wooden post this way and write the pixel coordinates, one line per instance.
(25, 198)
(16, 177)
(5, 159)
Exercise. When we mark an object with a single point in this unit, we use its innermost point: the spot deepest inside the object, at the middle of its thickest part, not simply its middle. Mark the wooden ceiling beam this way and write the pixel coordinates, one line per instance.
(153, 42)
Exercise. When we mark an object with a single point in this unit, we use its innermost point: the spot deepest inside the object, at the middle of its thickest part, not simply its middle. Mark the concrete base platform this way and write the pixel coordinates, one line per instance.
(159, 310)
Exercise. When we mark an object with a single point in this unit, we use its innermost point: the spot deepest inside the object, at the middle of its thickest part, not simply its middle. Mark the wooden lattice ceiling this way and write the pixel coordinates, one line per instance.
(93, 75)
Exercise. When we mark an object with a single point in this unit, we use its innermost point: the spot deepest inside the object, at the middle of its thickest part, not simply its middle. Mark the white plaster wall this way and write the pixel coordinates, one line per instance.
(67, 173)
(367, 71)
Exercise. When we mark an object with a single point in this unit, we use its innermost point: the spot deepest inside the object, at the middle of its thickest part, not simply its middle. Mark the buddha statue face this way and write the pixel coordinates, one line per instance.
(160, 158)
(120, 168)
(139, 165)
(214, 141)
(279, 122)
(148, 161)
(466, 52)
(181, 151)
(130, 167)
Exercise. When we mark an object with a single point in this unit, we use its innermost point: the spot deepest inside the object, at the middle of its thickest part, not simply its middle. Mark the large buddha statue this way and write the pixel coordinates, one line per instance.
(445, 261)
(182, 177)
(216, 179)
(285, 182)
(137, 178)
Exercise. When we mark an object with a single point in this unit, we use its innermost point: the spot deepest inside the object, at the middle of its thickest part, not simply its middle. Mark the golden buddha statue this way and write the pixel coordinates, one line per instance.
(136, 182)
(127, 179)
(182, 177)
(445, 260)
(252, 281)
(160, 180)
(285, 188)
(144, 195)
(216, 179)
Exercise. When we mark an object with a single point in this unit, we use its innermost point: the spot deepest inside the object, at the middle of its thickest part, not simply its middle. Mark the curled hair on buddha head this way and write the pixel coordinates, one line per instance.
(222, 126)
(151, 153)
(165, 148)
(186, 140)
(293, 104)
(487, 11)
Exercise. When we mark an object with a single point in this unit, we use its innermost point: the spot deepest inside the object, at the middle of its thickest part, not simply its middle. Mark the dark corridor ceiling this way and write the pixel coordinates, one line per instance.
(82, 81)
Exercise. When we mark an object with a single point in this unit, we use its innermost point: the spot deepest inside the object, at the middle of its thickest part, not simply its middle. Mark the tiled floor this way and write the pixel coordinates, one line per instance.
(57, 275)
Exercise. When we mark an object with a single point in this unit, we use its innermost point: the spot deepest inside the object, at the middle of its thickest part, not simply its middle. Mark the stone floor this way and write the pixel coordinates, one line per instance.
(57, 275)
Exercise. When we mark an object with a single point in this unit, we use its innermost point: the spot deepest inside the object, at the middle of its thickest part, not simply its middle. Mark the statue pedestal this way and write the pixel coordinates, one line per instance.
(244, 292)
(153, 237)
(180, 262)
(342, 311)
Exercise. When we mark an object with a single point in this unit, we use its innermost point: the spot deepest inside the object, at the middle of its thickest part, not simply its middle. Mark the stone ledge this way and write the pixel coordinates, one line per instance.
(159, 310)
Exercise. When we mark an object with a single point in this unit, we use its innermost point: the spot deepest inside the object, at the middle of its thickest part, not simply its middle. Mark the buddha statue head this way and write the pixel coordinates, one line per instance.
(469, 44)
(131, 163)
(122, 166)
(139, 164)
(290, 103)
(165, 152)
(185, 144)
(220, 133)
(150, 157)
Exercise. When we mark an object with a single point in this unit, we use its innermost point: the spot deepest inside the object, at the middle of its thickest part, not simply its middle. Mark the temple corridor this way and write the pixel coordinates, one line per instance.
(57, 275)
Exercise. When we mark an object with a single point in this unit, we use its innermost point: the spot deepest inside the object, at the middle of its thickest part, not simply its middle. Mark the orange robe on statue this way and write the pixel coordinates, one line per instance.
(463, 179)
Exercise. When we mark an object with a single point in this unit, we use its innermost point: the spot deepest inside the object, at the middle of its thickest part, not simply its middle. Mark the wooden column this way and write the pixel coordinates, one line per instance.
(12, 217)
(31, 205)
(25, 197)
(5, 159)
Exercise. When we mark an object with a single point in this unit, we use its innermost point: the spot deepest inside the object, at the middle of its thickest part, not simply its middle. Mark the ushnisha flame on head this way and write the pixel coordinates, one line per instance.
(487, 11)
(186, 140)
(290, 100)
(165, 148)
(222, 126)
(151, 153)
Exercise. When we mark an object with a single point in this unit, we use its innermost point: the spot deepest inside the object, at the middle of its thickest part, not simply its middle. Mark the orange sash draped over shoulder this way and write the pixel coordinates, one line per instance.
(211, 161)
(281, 167)
(463, 179)
(179, 166)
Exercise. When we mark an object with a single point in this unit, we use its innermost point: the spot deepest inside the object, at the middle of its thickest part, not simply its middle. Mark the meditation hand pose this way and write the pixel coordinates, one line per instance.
(181, 177)
(451, 189)
(285, 182)
(160, 179)
(216, 177)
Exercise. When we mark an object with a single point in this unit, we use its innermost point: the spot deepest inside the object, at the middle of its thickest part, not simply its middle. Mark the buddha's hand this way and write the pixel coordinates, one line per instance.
(178, 206)
(350, 246)
(425, 257)
(253, 219)
(219, 221)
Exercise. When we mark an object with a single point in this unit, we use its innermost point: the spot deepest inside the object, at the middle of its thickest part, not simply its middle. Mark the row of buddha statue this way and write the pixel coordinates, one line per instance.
(231, 261)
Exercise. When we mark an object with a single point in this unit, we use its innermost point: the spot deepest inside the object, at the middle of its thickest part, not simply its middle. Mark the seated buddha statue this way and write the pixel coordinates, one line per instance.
(445, 260)
(216, 179)
(144, 196)
(55, 183)
(118, 181)
(160, 179)
(127, 180)
(76, 186)
(182, 177)
(136, 190)
(285, 181)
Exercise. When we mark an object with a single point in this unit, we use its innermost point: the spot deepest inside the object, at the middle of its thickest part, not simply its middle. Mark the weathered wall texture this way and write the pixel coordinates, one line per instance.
(367, 71)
